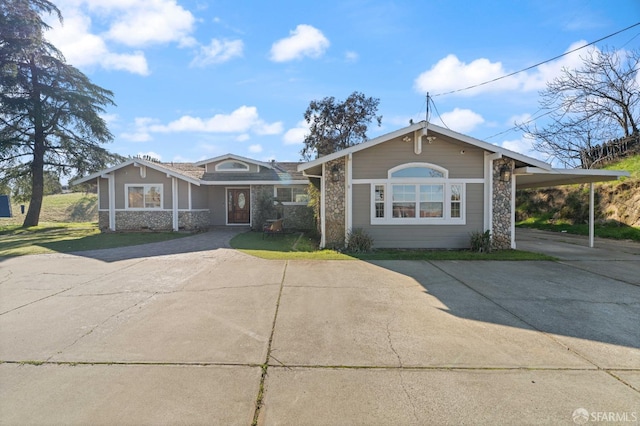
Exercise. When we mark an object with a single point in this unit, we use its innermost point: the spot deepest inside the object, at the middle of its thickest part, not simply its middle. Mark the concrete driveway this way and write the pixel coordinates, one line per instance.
(192, 332)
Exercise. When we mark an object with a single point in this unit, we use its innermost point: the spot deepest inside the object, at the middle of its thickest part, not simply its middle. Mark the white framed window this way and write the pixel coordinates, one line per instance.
(232, 166)
(418, 194)
(379, 201)
(147, 196)
(296, 194)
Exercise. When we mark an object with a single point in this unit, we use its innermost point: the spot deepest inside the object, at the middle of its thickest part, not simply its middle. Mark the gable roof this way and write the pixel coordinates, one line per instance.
(161, 167)
(285, 173)
(437, 129)
(233, 157)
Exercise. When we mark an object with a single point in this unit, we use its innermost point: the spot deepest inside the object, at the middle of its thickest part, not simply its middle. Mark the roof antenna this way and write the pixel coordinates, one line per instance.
(425, 131)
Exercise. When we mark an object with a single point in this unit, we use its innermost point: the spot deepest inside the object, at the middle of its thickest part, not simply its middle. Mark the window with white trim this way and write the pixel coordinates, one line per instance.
(291, 194)
(417, 193)
(232, 166)
(143, 196)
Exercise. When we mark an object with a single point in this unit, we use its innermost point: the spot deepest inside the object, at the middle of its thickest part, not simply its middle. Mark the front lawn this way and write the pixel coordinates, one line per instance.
(70, 237)
(299, 246)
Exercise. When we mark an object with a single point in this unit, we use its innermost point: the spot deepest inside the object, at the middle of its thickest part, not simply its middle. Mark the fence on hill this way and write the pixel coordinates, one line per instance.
(607, 152)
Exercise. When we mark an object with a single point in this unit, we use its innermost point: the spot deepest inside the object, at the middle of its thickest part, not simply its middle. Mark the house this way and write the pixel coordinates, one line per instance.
(422, 186)
(221, 191)
(425, 186)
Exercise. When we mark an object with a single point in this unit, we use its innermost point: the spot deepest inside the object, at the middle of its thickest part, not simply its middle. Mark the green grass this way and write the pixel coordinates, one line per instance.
(283, 247)
(298, 246)
(630, 164)
(72, 207)
(615, 230)
(70, 237)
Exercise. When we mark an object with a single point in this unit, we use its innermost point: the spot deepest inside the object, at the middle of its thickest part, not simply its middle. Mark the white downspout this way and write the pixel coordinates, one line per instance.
(112, 201)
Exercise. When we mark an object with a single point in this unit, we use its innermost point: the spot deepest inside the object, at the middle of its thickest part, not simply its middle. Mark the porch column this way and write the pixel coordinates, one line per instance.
(591, 215)
(112, 200)
(323, 220)
(174, 199)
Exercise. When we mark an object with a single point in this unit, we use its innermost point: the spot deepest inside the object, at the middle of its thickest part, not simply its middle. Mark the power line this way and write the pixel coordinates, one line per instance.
(538, 64)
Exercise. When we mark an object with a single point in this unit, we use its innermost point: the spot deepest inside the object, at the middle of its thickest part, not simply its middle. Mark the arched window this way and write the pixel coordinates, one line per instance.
(418, 193)
(232, 166)
(418, 170)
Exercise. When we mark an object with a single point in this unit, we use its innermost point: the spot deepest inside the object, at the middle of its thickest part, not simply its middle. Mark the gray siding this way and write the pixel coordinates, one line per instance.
(200, 197)
(103, 202)
(131, 175)
(420, 236)
(183, 194)
(217, 205)
(374, 162)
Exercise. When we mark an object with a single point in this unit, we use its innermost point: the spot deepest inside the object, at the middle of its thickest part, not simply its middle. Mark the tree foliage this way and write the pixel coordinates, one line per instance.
(593, 104)
(49, 110)
(335, 125)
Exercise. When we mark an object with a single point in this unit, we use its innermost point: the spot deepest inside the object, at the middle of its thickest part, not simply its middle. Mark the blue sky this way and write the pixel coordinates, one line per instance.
(197, 79)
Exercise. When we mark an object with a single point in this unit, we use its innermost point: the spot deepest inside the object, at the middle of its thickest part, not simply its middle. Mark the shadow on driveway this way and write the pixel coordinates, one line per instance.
(216, 238)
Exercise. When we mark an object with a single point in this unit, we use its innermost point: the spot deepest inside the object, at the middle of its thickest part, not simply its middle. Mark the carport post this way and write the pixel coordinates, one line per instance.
(591, 214)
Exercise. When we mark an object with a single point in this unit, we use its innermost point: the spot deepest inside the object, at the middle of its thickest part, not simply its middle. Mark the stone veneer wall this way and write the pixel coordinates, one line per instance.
(295, 217)
(155, 220)
(502, 215)
(334, 203)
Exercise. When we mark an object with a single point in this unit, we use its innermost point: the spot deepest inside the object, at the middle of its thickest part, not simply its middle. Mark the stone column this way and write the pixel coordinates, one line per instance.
(334, 198)
(502, 214)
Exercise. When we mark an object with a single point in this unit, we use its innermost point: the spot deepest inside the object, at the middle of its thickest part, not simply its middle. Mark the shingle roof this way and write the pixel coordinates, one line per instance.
(280, 172)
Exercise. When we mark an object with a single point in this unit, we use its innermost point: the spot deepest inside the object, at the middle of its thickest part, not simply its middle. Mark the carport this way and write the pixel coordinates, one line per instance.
(534, 177)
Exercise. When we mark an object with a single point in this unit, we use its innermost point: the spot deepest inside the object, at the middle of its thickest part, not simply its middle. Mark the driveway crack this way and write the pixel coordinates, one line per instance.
(95, 327)
(402, 384)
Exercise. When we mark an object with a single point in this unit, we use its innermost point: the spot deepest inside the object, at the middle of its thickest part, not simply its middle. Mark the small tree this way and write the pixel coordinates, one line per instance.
(337, 125)
(587, 106)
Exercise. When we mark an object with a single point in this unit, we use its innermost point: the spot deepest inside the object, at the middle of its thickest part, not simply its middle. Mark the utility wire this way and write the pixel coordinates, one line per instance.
(538, 64)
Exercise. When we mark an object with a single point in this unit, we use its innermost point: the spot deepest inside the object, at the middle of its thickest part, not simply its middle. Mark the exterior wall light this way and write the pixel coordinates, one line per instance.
(505, 173)
(335, 173)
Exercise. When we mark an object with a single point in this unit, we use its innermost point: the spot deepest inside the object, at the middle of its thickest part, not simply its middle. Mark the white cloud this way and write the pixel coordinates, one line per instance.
(524, 146)
(461, 120)
(254, 149)
(82, 49)
(263, 128)
(127, 24)
(351, 56)
(305, 40)
(217, 52)
(296, 135)
(242, 120)
(450, 74)
(140, 23)
(243, 137)
(140, 132)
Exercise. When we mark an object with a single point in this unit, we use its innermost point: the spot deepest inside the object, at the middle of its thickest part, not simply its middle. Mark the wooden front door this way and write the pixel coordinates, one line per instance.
(238, 206)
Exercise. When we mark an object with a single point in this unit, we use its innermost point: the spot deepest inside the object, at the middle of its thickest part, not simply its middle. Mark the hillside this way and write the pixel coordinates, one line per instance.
(73, 207)
(617, 201)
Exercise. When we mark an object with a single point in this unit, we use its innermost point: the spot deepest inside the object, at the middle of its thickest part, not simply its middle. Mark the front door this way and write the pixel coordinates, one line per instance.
(238, 206)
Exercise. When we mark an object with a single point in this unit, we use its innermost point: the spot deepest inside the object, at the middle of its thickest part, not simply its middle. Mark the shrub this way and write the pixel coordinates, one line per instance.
(359, 241)
(481, 241)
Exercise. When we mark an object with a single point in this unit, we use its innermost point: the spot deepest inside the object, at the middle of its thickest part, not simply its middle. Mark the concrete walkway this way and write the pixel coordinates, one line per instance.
(212, 336)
